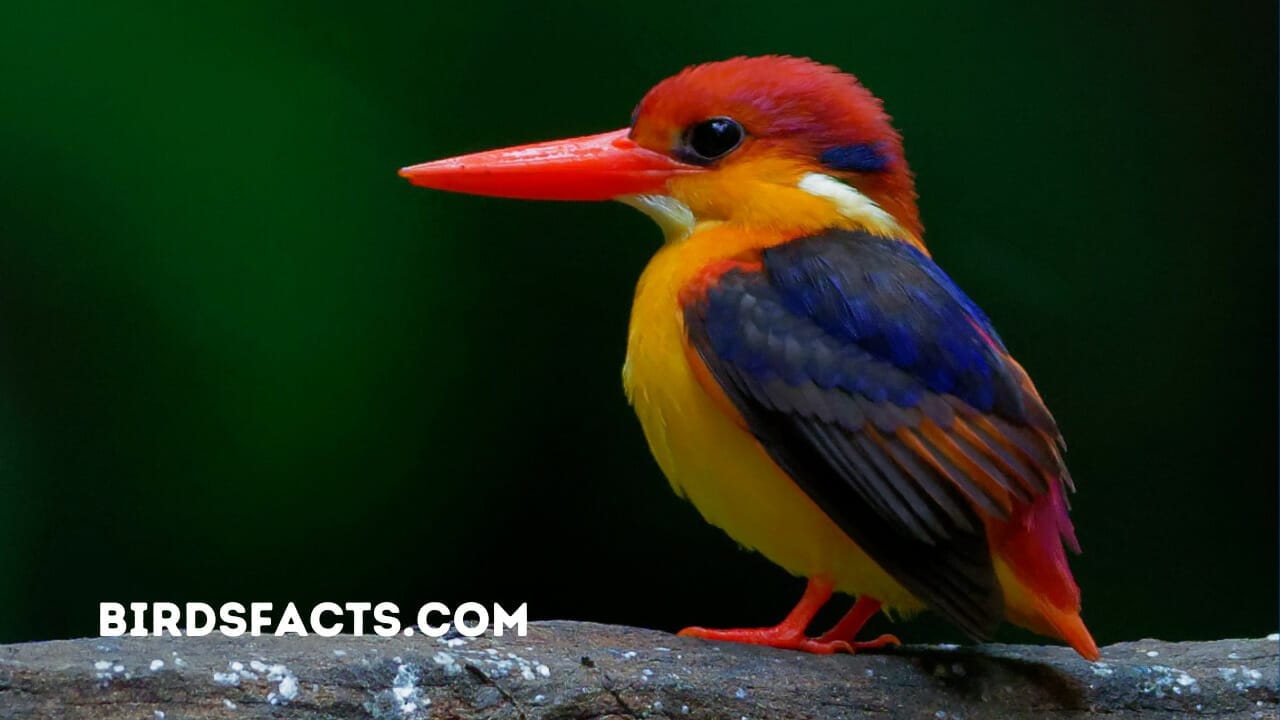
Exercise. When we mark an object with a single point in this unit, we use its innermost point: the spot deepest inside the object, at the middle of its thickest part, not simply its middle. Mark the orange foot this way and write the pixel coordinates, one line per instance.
(789, 634)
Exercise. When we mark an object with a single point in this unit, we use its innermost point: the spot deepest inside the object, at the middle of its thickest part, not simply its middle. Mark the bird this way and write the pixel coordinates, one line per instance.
(804, 372)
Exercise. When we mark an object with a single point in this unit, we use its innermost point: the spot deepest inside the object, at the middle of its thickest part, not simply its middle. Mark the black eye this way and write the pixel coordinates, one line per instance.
(711, 140)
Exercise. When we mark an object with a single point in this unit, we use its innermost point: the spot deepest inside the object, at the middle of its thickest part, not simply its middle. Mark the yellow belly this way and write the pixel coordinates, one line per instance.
(710, 459)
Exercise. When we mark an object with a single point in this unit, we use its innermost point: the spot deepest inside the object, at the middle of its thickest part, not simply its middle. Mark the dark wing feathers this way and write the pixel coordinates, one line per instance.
(886, 395)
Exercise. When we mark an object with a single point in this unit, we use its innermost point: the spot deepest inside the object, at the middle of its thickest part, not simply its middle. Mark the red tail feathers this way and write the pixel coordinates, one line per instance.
(1031, 544)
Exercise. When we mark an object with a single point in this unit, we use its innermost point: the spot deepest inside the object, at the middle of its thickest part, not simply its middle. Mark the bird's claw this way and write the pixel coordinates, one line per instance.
(787, 639)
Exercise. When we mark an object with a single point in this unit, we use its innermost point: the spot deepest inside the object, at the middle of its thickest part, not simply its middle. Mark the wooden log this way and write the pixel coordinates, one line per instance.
(583, 670)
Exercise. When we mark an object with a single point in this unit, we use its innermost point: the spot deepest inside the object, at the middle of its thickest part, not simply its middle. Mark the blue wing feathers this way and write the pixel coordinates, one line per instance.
(847, 317)
(835, 353)
(890, 300)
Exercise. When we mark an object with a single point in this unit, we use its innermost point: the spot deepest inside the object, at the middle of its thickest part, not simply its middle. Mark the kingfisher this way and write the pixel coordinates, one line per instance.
(804, 373)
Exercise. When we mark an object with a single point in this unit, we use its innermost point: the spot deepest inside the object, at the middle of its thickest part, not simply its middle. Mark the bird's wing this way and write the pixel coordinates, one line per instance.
(885, 394)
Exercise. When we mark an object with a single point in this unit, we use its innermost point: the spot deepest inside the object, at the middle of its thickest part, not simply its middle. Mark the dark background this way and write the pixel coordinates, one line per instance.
(241, 359)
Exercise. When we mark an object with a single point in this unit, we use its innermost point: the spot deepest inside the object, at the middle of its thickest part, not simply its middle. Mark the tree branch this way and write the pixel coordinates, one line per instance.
(569, 670)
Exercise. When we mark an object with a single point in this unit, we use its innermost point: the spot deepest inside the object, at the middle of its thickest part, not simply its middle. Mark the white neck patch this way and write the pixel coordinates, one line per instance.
(674, 217)
(849, 202)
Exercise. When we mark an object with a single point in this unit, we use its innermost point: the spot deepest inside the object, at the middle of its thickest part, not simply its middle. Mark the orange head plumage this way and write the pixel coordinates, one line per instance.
(769, 122)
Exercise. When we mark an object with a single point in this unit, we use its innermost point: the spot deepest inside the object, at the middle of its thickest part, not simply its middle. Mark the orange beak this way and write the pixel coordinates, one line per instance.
(594, 167)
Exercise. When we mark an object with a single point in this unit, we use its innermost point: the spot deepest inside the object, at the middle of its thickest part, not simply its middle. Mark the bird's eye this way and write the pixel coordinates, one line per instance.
(711, 140)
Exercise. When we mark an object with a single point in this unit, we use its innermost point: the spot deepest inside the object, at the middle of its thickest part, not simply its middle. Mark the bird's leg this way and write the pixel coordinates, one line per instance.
(847, 629)
(788, 634)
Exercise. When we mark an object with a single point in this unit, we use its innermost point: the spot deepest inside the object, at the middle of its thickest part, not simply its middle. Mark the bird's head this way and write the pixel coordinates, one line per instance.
(778, 143)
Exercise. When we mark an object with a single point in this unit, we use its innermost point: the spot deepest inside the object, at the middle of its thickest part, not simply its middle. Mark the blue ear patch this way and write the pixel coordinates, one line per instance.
(863, 157)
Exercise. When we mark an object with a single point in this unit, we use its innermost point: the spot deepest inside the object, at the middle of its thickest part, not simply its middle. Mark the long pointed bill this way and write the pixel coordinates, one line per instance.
(594, 167)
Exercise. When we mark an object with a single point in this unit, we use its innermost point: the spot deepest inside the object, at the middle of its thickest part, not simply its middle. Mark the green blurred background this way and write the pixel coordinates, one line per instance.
(241, 359)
